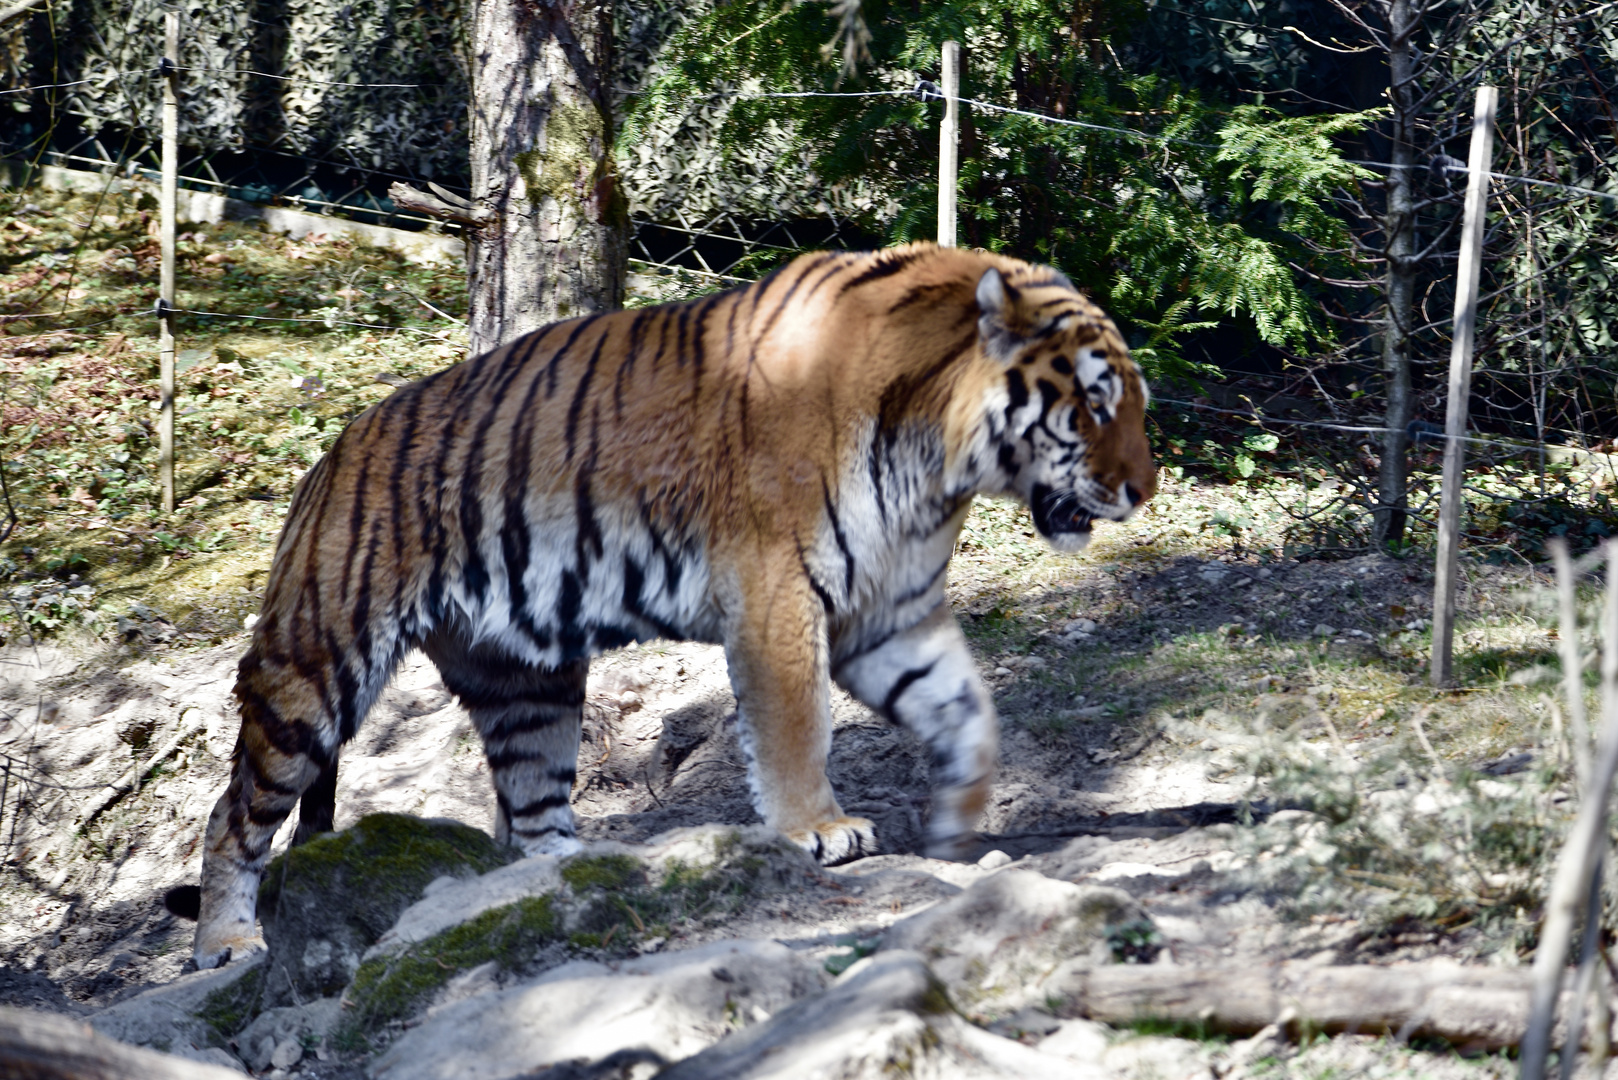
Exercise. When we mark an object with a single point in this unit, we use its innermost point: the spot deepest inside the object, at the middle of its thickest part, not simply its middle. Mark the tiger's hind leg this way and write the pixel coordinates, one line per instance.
(529, 719)
(287, 746)
(925, 679)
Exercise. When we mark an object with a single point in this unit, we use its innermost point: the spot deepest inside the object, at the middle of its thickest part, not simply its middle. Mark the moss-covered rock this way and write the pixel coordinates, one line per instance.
(325, 902)
(602, 904)
(387, 988)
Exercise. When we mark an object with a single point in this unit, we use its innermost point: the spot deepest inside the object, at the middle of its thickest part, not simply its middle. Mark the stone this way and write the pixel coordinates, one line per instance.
(325, 902)
(177, 1017)
(1154, 1057)
(451, 901)
(272, 1030)
(1324, 630)
(993, 944)
(525, 917)
(1084, 1041)
(287, 1053)
(886, 1016)
(994, 860)
(673, 1004)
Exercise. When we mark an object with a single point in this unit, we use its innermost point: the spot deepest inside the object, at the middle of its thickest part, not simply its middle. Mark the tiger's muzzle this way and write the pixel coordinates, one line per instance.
(1064, 516)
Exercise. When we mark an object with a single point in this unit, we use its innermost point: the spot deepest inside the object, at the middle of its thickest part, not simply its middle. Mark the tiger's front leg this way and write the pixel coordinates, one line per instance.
(924, 678)
(776, 650)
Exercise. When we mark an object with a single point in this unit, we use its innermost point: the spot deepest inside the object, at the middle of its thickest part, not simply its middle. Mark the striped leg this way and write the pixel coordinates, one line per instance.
(529, 719)
(925, 679)
(287, 745)
(317, 808)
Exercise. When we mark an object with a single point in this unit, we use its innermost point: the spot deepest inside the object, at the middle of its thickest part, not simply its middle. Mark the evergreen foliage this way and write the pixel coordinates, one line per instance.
(1207, 213)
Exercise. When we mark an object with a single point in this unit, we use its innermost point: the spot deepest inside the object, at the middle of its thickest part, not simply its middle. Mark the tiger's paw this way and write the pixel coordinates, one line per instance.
(839, 840)
(219, 951)
(551, 844)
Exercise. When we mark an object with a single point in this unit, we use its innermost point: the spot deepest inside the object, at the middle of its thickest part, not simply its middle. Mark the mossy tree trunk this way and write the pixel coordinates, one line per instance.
(553, 240)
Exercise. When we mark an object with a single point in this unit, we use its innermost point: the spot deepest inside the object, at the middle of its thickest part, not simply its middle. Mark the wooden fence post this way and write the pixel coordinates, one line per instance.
(949, 143)
(167, 210)
(1460, 386)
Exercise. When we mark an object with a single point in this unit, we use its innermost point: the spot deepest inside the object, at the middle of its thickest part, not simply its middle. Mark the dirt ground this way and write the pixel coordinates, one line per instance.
(1097, 665)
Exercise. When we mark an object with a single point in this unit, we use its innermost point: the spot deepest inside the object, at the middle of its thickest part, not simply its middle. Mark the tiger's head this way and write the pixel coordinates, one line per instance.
(1071, 428)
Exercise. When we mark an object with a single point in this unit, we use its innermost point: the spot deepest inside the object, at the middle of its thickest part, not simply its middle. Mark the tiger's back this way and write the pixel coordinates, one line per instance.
(781, 468)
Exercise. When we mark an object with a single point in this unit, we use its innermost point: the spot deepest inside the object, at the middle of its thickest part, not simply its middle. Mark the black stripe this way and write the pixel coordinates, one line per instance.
(699, 345)
(1049, 395)
(569, 602)
(553, 369)
(588, 542)
(842, 540)
(539, 806)
(814, 583)
(637, 338)
(476, 572)
(886, 265)
(580, 392)
(682, 323)
(921, 590)
(403, 453)
(505, 759)
(843, 261)
(903, 683)
(872, 646)
(559, 830)
(634, 599)
(273, 816)
(803, 266)
(916, 294)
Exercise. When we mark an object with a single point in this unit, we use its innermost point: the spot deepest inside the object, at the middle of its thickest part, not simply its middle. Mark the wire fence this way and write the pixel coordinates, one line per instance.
(724, 246)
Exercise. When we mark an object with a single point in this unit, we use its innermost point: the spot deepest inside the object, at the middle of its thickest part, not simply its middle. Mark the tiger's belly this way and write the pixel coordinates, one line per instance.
(570, 594)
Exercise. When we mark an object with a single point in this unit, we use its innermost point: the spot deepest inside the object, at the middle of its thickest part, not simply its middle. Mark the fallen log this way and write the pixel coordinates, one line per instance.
(1482, 1008)
(45, 1046)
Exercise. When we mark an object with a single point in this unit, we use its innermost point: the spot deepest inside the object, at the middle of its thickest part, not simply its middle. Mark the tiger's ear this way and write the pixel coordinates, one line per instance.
(1001, 328)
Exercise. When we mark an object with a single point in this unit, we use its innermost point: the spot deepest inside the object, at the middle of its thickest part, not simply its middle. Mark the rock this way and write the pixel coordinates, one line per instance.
(324, 903)
(186, 1017)
(994, 860)
(1156, 1058)
(534, 914)
(287, 1053)
(673, 1004)
(1080, 626)
(450, 901)
(271, 1032)
(44, 1046)
(887, 1015)
(1077, 1040)
(993, 944)
(209, 1055)
(1324, 630)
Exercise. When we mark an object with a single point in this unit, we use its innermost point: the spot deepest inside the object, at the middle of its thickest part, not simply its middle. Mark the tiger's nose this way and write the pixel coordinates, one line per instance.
(1133, 495)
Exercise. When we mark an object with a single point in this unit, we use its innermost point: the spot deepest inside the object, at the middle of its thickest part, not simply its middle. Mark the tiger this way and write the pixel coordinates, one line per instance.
(781, 469)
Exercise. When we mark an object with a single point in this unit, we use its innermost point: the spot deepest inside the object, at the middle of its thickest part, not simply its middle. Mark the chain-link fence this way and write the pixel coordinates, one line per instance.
(321, 110)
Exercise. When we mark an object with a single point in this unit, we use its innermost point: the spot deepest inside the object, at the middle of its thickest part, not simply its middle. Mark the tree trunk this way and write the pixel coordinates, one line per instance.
(1398, 231)
(554, 238)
